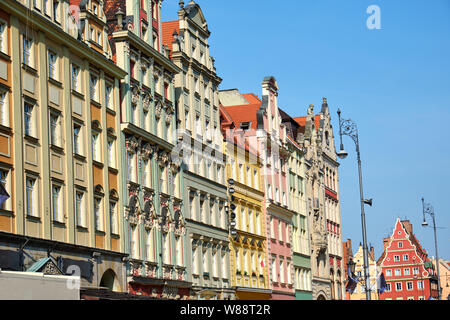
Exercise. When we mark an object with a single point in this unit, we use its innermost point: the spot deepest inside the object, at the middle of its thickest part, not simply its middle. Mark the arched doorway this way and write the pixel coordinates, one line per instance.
(321, 297)
(109, 280)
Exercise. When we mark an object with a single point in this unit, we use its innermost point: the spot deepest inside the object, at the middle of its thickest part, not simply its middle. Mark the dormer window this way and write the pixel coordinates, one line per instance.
(245, 125)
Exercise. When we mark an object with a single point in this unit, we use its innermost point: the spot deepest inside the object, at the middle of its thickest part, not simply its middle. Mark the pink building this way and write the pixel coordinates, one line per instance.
(263, 119)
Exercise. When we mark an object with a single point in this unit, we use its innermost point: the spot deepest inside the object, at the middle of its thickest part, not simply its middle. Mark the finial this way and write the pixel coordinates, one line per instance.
(181, 4)
(324, 100)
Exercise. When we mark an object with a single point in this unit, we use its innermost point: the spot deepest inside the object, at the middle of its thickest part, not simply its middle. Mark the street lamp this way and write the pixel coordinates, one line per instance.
(428, 208)
(349, 128)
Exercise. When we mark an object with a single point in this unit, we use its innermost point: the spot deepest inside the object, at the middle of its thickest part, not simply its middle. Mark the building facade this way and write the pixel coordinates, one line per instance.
(408, 271)
(60, 132)
(248, 248)
(301, 258)
(263, 116)
(153, 211)
(358, 259)
(200, 145)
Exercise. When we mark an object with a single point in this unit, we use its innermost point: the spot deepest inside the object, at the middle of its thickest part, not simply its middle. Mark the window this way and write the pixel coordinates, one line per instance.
(405, 257)
(134, 242)
(400, 244)
(93, 87)
(281, 270)
(96, 150)
(406, 271)
(111, 153)
(57, 203)
(109, 101)
(52, 65)
(420, 285)
(98, 214)
(46, 6)
(28, 117)
(113, 217)
(388, 287)
(4, 180)
(31, 195)
(149, 246)
(388, 273)
(398, 286)
(27, 57)
(131, 166)
(398, 272)
(4, 109)
(56, 10)
(75, 78)
(280, 238)
(396, 258)
(79, 209)
(77, 139)
(416, 270)
(274, 270)
(3, 37)
(409, 285)
(55, 130)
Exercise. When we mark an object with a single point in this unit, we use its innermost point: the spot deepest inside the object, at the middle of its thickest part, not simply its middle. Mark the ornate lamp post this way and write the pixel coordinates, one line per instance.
(349, 128)
(428, 208)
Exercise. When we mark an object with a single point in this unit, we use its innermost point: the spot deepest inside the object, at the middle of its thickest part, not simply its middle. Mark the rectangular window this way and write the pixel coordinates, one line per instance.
(113, 218)
(3, 37)
(406, 271)
(111, 153)
(109, 101)
(398, 286)
(96, 150)
(57, 203)
(31, 196)
(388, 273)
(388, 287)
(56, 10)
(28, 118)
(405, 257)
(27, 57)
(420, 285)
(98, 214)
(79, 209)
(396, 258)
(398, 272)
(52, 65)
(77, 139)
(94, 88)
(409, 285)
(134, 242)
(5, 181)
(75, 78)
(416, 270)
(4, 109)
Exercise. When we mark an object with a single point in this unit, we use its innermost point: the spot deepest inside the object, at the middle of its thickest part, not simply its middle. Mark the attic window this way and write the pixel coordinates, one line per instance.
(245, 125)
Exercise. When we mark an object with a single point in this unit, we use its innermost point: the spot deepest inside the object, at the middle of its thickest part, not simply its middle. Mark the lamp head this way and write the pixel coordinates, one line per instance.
(424, 223)
(342, 154)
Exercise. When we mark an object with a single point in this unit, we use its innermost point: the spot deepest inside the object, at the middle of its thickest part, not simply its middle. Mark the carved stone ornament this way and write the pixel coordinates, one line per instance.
(163, 158)
(135, 267)
(158, 109)
(147, 151)
(135, 94)
(131, 144)
(133, 211)
(147, 98)
(149, 217)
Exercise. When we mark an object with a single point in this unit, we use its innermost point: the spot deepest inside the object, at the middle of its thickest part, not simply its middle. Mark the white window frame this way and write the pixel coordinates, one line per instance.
(4, 44)
(32, 196)
(53, 65)
(4, 108)
(27, 51)
(76, 78)
(80, 209)
(5, 179)
(98, 213)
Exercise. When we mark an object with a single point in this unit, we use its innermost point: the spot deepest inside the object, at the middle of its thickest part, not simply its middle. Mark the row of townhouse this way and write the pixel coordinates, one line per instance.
(117, 150)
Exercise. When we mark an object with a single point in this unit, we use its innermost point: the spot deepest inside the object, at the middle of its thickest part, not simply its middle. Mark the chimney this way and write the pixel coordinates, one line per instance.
(408, 226)
(386, 242)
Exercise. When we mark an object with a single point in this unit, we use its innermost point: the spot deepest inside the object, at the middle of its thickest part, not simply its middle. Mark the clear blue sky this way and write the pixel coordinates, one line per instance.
(394, 83)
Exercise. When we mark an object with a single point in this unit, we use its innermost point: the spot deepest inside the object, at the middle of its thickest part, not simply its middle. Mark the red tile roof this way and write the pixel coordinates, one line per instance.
(245, 112)
(302, 121)
(167, 33)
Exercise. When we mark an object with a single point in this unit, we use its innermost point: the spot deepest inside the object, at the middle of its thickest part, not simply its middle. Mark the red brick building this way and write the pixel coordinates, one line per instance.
(409, 272)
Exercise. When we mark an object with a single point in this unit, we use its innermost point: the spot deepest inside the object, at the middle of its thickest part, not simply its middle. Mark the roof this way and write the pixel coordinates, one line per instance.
(36, 267)
(168, 28)
(302, 121)
(245, 112)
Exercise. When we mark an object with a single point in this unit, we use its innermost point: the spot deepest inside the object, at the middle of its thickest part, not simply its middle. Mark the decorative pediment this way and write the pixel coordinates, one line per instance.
(46, 266)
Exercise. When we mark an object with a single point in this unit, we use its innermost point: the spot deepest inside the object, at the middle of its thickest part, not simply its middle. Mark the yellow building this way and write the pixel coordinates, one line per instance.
(248, 248)
(360, 293)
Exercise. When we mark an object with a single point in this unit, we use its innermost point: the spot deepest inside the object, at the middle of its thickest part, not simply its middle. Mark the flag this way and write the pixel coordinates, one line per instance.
(351, 283)
(3, 194)
(381, 284)
(262, 263)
